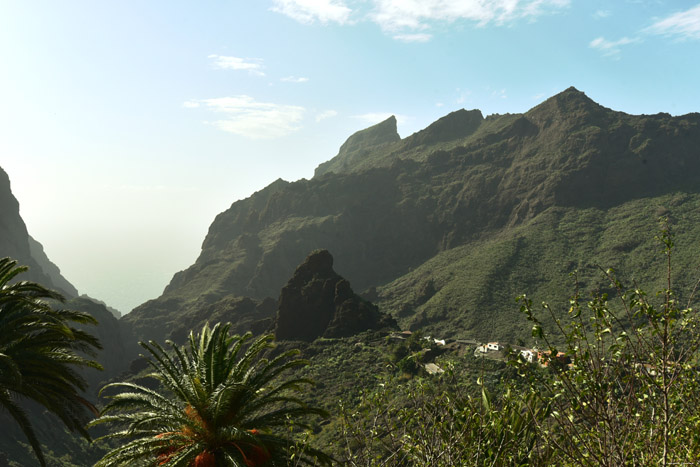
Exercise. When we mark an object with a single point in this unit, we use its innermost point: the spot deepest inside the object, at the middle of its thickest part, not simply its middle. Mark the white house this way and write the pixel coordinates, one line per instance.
(528, 355)
(433, 369)
(493, 346)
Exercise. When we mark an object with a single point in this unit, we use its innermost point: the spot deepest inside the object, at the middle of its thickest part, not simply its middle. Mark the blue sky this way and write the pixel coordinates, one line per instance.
(126, 126)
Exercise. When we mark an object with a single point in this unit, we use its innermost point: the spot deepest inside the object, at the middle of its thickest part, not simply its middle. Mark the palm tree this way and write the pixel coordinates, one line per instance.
(39, 350)
(219, 403)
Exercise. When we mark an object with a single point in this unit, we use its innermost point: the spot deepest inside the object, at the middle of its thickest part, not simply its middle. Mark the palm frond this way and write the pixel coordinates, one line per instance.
(39, 352)
(218, 398)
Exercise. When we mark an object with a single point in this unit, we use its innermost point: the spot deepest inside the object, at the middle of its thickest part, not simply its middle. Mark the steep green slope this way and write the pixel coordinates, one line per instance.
(465, 183)
(469, 291)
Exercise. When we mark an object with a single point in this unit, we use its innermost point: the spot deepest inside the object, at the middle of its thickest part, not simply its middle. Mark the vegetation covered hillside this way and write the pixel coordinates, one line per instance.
(444, 227)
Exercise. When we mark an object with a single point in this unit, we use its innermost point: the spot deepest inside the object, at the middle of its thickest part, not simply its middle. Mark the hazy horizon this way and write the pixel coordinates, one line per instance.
(128, 127)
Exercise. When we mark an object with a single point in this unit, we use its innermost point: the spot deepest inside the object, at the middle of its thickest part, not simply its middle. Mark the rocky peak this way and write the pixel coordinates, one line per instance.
(319, 264)
(317, 302)
(571, 105)
(357, 146)
(455, 125)
(383, 132)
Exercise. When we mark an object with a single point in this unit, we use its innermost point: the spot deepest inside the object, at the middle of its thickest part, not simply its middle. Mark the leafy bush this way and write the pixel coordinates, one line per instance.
(618, 384)
(418, 424)
(630, 394)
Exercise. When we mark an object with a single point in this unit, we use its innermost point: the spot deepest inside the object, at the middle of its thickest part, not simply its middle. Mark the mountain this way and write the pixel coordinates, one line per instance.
(443, 228)
(16, 243)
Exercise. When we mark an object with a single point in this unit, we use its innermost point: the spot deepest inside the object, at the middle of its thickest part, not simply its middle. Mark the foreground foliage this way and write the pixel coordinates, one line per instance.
(218, 402)
(616, 385)
(39, 349)
(630, 394)
(417, 425)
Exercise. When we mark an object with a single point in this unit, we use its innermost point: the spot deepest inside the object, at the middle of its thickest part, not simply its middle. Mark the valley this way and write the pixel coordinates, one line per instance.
(436, 233)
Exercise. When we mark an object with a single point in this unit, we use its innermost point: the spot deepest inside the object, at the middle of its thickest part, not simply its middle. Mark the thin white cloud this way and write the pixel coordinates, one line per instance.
(326, 114)
(500, 93)
(309, 11)
(463, 95)
(610, 48)
(377, 117)
(407, 20)
(251, 65)
(190, 104)
(294, 79)
(399, 16)
(416, 37)
(683, 25)
(602, 14)
(247, 117)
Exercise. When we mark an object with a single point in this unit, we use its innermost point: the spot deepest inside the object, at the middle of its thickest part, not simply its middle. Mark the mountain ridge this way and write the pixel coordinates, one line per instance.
(462, 179)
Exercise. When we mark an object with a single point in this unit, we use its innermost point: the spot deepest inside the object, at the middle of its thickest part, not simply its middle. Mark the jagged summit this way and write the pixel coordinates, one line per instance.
(455, 125)
(383, 132)
(359, 145)
(381, 146)
(571, 105)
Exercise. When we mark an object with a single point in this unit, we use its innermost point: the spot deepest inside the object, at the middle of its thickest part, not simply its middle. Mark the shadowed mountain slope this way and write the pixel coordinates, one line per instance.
(441, 196)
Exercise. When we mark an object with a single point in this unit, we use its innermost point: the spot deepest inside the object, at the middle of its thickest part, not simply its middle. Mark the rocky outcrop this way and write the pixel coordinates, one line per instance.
(317, 302)
(359, 146)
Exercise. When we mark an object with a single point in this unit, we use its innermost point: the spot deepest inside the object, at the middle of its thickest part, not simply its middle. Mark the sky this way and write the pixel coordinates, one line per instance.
(127, 126)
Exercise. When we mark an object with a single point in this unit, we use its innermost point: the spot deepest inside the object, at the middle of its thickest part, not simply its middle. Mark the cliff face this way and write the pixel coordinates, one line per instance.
(16, 243)
(387, 207)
